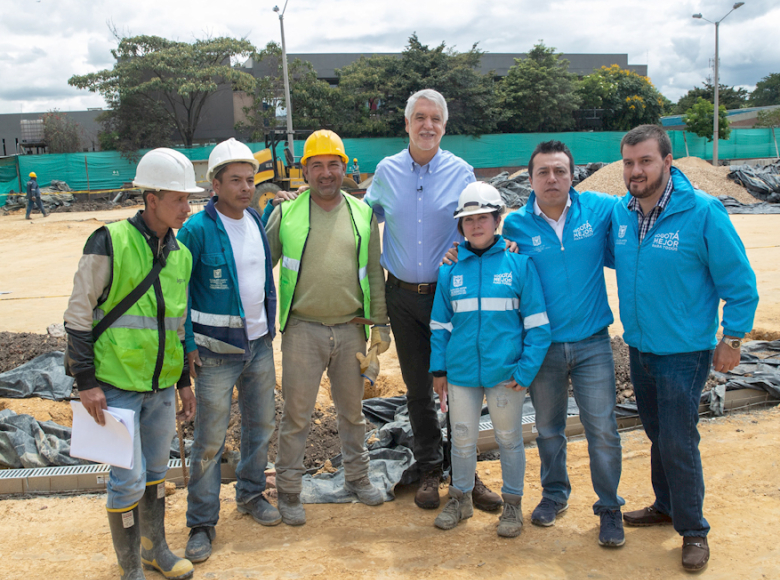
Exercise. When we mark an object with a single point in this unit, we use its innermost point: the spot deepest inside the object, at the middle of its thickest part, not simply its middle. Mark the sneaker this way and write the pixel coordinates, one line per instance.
(291, 509)
(365, 491)
(459, 507)
(611, 534)
(263, 512)
(484, 499)
(545, 512)
(648, 516)
(510, 524)
(199, 545)
(695, 553)
(427, 496)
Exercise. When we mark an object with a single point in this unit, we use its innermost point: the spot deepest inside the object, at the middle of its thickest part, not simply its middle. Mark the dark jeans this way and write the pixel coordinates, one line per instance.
(35, 200)
(410, 317)
(668, 389)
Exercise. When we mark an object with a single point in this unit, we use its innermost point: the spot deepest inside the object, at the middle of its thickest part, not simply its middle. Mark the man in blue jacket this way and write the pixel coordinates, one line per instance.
(677, 255)
(565, 233)
(229, 331)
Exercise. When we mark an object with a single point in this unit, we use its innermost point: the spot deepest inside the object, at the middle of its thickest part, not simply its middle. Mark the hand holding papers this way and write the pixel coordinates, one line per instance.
(111, 443)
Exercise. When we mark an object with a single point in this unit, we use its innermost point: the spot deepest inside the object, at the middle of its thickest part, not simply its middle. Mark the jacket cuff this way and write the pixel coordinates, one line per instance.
(734, 333)
(439, 374)
(86, 380)
(184, 381)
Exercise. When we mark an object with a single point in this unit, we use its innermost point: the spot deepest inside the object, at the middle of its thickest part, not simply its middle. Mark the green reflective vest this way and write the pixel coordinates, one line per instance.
(142, 351)
(294, 233)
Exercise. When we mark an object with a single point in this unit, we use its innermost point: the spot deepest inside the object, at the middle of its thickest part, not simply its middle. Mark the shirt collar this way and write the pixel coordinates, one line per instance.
(432, 165)
(633, 203)
(538, 211)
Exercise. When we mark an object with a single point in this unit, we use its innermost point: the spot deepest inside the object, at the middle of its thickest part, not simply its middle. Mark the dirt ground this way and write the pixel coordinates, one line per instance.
(67, 537)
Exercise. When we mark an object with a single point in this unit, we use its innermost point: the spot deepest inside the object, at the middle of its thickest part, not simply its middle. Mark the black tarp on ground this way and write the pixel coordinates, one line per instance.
(736, 207)
(44, 377)
(761, 182)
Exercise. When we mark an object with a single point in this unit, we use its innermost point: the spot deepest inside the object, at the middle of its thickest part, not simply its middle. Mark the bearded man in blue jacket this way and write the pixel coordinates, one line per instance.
(677, 255)
(565, 233)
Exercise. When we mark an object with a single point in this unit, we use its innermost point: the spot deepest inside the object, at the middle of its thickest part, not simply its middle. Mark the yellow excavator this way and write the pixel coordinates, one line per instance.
(285, 172)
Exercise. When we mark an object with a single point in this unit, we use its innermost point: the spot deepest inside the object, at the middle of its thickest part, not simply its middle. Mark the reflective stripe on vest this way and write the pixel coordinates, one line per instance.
(142, 351)
(294, 233)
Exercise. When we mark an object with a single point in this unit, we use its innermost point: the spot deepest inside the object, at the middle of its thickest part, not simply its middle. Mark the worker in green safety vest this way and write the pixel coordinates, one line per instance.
(330, 285)
(138, 361)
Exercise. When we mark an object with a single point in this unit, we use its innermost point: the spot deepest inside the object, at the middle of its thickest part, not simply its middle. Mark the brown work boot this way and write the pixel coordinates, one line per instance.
(484, 499)
(648, 516)
(695, 553)
(427, 496)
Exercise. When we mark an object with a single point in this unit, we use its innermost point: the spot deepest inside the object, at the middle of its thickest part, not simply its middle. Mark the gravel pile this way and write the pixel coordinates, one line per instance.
(713, 180)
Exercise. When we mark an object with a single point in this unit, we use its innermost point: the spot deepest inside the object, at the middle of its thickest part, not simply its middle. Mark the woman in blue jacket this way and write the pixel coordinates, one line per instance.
(490, 334)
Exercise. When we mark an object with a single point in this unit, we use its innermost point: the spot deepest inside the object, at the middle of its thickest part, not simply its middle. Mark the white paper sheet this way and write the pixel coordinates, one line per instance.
(111, 443)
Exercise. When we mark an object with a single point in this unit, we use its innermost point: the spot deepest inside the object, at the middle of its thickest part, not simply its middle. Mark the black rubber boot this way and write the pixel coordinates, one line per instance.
(126, 534)
(155, 554)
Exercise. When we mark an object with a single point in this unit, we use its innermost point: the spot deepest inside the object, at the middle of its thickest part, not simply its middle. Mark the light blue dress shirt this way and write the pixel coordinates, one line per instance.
(417, 204)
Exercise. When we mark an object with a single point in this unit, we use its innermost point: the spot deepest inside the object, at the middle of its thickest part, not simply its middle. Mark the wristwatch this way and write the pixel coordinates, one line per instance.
(734, 343)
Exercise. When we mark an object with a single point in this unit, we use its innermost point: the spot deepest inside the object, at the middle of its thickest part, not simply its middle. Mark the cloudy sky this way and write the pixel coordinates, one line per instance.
(45, 42)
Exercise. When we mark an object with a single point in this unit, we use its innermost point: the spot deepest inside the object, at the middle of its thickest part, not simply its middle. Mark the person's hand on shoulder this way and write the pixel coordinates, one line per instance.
(451, 257)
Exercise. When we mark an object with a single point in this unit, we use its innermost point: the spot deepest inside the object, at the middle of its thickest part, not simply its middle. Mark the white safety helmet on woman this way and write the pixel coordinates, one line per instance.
(230, 151)
(479, 197)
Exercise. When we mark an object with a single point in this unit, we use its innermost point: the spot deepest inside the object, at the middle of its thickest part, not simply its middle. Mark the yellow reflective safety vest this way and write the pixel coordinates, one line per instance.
(142, 351)
(294, 233)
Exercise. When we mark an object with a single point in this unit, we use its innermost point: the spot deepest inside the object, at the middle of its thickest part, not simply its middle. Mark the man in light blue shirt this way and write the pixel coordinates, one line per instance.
(415, 193)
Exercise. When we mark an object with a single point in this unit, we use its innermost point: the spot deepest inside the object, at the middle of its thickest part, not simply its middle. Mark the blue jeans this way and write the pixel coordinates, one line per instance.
(668, 390)
(506, 413)
(589, 365)
(33, 201)
(154, 425)
(255, 379)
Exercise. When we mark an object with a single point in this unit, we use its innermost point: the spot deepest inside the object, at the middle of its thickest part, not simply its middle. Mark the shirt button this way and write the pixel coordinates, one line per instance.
(419, 263)
(420, 242)
(419, 221)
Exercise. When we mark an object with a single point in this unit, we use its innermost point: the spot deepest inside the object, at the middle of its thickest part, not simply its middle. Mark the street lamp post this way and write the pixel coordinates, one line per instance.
(717, 83)
(287, 100)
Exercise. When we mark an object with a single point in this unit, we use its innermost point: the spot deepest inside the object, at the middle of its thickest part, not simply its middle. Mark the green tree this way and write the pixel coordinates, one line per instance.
(61, 133)
(729, 97)
(626, 98)
(699, 119)
(767, 91)
(771, 119)
(537, 94)
(180, 75)
(134, 123)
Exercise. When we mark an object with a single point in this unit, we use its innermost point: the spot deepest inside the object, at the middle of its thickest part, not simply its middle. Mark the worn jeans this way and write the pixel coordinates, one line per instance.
(255, 380)
(308, 350)
(33, 201)
(589, 365)
(410, 319)
(668, 390)
(506, 413)
(154, 424)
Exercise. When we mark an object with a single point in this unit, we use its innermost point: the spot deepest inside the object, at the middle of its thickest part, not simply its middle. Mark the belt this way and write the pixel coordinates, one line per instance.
(427, 288)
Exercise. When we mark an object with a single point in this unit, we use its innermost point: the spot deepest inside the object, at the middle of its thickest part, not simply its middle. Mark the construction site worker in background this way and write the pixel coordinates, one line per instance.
(135, 363)
(229, 334)
(34, 196)
(415, 193)
(565, 234)
(328, 243)
(677, 255)
(490, 333)
(355, 171)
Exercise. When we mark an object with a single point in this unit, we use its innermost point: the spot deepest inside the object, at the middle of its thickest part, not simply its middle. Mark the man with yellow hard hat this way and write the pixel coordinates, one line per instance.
(330, 285)
(34, 196)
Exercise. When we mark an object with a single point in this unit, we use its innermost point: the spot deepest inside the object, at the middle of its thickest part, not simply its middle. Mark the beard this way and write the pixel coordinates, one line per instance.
(649, 190)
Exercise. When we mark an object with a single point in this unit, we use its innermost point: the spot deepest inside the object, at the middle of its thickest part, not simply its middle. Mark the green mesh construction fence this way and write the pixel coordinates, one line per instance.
(109, 170)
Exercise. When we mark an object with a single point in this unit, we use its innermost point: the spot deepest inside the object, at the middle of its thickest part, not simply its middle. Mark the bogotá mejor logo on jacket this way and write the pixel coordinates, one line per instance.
(668, 241)
(505, 279)
(584, 231)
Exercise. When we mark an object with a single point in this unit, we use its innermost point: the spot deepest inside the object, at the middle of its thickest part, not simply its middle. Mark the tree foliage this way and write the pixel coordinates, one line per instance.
(768, 118)
(767, 91)
(626, 98)
(181, 76)
(61, 133)
(729, 97)
(133, 124)
(699, 120)
(537, 95)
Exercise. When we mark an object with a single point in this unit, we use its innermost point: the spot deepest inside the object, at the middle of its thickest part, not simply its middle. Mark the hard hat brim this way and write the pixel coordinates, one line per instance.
(155, 188)
(479, 210)
(214, 170)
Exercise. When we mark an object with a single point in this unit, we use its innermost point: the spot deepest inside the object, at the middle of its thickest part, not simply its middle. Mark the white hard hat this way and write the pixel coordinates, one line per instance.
(230, 151)
(479, 197)
(166, 169)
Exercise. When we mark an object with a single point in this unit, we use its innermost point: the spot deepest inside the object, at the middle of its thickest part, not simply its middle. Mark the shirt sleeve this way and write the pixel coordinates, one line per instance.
(376, 276)
(374, 194)
(441, 323)
(187, 237)
(536, 325)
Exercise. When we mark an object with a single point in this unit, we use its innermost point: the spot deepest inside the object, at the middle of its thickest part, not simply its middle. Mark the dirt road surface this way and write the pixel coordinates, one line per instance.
(68, 537)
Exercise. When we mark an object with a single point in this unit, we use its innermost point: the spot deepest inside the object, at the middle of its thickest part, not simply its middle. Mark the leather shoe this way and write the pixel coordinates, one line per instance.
(648, 516)
(695, 553)
(483, 498)
(427, 496)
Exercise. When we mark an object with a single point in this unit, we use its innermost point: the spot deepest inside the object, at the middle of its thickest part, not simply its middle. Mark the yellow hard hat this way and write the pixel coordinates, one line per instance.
(32, 174)
(354, 160)
(323, 142)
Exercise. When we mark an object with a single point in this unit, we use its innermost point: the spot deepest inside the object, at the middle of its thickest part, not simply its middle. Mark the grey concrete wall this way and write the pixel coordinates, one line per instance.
(10, 129)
